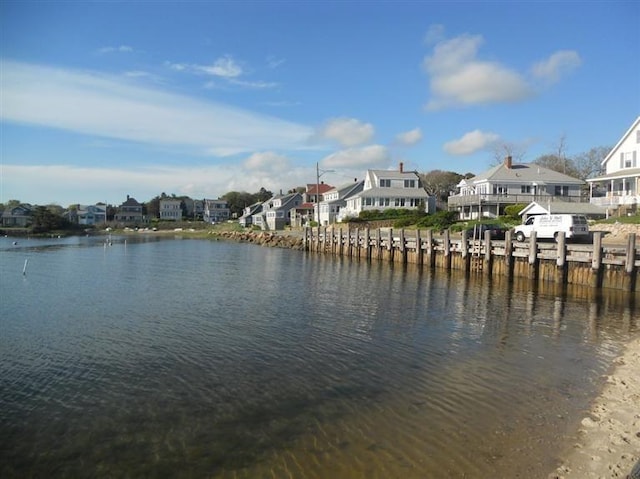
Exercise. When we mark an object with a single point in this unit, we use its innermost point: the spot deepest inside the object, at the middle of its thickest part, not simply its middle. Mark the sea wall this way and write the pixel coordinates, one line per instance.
(596, 265)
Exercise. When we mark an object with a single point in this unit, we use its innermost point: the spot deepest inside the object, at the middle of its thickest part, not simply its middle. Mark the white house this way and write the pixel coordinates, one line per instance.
(486, 194)
(620, 184)
(170, 209)
(336, 199)
(386, 189)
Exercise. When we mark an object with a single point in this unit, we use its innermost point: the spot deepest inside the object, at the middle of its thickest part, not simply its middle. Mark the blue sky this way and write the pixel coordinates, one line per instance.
(100, 100)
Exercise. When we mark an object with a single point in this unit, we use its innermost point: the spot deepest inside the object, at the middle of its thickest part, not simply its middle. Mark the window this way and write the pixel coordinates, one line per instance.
(562, 190)
(525, 188)
(499, 190)
(409, 183)
(385, 183)
(368, 201)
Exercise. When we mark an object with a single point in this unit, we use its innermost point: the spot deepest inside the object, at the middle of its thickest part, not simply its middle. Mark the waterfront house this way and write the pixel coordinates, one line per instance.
(248, 212)
(216, 211)
(487, 194)
(275, 213)
(170, 209)
(130, 213)
(386, 189)
(335, 200)
(19, 216)
(619, 186)
(88, 215)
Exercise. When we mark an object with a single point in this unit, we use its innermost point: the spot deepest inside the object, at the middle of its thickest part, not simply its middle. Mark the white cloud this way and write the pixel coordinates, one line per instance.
(557, 65)
(471, 142)
(274, 62)
(409, 138)
(458, 78)
(67, 184)
(225, 67)
(267, 161)
(347, 132)
(368, 157)
(105, 106)
(119, 49)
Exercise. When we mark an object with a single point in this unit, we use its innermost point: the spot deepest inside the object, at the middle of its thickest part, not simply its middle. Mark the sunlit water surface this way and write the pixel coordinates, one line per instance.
(189, 358)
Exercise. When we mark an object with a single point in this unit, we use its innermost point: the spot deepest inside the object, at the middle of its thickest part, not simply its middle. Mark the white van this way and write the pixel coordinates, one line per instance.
(548, 226)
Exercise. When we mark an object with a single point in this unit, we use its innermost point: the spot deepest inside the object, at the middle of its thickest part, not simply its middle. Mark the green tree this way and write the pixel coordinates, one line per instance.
(440, 183)
(43, 220)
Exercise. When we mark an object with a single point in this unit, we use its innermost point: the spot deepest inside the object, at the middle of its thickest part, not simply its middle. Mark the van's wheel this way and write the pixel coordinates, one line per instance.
(520, 236)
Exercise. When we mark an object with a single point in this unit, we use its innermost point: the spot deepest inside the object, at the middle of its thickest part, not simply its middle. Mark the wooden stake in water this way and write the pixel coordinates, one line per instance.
(24, 268)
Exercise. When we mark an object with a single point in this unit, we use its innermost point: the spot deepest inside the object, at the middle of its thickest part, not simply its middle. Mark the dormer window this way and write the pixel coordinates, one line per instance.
(409, 183)
(385, 183)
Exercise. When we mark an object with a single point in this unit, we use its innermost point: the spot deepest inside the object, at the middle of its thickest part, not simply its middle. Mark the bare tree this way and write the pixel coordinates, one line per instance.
(503, 149)
(589, 163)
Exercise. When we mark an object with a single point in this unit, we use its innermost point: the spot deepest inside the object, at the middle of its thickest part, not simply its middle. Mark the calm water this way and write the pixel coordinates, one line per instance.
(191, 358)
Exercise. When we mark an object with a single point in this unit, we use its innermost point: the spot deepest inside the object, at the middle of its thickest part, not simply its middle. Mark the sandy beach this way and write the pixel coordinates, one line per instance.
(608, 443)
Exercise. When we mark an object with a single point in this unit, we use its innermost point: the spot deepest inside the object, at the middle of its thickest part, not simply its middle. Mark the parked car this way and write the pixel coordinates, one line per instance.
(497, 231)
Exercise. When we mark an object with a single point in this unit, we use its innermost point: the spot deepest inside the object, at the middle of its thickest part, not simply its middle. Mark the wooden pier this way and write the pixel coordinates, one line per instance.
(594, 265)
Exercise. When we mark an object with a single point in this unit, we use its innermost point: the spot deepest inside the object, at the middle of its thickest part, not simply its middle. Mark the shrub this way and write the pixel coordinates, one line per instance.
(403, 222)
(440, 220)
(512, 211)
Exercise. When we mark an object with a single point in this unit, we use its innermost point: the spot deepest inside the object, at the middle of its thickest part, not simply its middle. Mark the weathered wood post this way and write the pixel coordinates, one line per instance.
(379, 243)
(508, 255)
(561, 258)
(356, 243)
(447, 249)
(367, 243)
(596, 261)
(431, 257)
(533, 256)
(390, 244)
(419, 251)
(403, 249)
(630, 260)
(488, 257)
(464, 253)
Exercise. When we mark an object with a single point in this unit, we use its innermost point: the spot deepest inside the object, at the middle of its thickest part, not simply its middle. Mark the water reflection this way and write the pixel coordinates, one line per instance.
(213, 359)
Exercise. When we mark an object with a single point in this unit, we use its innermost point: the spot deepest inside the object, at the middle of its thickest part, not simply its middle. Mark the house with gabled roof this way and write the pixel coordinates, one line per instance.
(589, 210)
(130, 212)
(18, 216)
(87, 214)
(620, 183)
(275, 211)
(335, 200)
(487, 194)
(248, 212)
(216, 211)
(386, 189)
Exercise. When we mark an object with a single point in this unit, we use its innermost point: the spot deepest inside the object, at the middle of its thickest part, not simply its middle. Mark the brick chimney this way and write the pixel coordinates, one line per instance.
(401, 167)
(508, 162)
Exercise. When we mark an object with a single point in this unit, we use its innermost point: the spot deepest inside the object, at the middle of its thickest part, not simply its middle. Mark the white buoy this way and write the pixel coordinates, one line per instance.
(24, 268)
